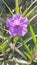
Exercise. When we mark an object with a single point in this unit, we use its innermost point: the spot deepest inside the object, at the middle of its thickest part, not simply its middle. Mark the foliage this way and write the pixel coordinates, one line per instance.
(18, 50)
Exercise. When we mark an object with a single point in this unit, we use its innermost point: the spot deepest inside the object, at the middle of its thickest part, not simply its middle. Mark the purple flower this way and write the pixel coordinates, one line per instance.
(36, 56)
(17, 25)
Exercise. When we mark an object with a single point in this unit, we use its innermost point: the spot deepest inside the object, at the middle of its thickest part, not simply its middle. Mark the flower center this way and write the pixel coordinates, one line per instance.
(17, 26)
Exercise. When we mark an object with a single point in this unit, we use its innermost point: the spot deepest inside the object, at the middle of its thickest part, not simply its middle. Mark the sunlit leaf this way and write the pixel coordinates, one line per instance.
(30, 12)
(16, 39)
(5, 45)
(27, 55)
(27, 9)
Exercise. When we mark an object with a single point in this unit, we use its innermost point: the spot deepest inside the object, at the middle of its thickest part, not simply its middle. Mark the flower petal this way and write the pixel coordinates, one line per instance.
(21, 31)
(16, 16)
(24, 22)
(12, 32)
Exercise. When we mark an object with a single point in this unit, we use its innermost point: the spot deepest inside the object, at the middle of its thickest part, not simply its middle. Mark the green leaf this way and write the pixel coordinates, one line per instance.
(16, 39)
(2, 19)
(27, 9)
(1, 12)
(5, 45)
(8, 7)
(30, 12)
(0, 48)
(27, 55)
(17, 6)
(26, 46)
(24, 13)
(33, 35)
(21, 10)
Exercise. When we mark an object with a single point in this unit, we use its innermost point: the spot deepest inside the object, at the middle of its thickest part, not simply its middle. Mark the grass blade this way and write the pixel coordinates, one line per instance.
(30, 12)
(33, 35)
(17, 6)
(24, 13)
(27, 55)
(33, 18)
(1, 12)
(8, 7)
(26, 46)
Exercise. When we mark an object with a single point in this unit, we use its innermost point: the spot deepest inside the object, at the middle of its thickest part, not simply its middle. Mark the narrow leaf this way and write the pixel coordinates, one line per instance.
(1, 12)
(16, 39)
(33, 34)
(24, 13)
(8, 7)
(30, 12)
(26, 46)
(17, 6)
(27, 55)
